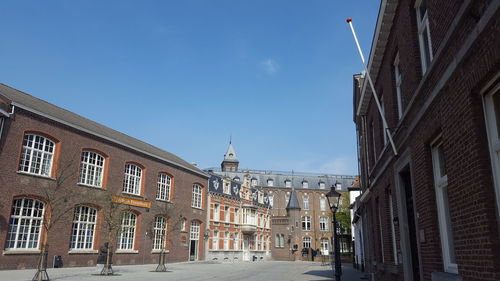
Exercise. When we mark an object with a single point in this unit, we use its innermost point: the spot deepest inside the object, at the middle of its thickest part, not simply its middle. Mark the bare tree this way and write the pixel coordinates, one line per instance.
(159, 232)
(57, 195)
(111, 223)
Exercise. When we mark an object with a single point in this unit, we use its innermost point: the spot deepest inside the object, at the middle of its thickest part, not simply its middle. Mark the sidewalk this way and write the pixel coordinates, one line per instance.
(349, 273)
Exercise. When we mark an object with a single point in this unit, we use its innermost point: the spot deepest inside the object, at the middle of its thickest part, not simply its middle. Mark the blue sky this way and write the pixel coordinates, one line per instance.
(186, 75)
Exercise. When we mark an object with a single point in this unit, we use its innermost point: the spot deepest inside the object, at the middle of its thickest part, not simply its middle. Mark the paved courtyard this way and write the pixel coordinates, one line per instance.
(193, 271)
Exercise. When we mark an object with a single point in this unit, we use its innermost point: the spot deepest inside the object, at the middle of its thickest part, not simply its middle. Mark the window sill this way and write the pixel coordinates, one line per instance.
(133, 195)
(159, 251)
(36, 175)
(127, 252)
(165, 201)
(78, 251)
(445, 276)
(20, 252)
(91, 186)
(197, 208)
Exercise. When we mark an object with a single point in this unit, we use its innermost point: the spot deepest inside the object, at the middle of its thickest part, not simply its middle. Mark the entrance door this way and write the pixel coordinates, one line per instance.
(194, 236)
(409, 214)
(246, 250)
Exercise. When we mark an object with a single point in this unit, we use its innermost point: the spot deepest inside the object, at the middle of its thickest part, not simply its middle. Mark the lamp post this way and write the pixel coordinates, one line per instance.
(333, 198)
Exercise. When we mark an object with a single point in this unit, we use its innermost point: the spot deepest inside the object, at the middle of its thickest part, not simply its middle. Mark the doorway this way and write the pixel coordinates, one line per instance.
(194, 237)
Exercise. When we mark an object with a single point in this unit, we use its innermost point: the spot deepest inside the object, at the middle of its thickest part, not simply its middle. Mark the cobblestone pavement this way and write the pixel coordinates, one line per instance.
(194, 271)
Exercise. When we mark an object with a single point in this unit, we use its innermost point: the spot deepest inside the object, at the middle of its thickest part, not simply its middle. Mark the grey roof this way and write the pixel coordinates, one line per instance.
(293, 202)
(48, 110)
(296, 178)
(230, 155)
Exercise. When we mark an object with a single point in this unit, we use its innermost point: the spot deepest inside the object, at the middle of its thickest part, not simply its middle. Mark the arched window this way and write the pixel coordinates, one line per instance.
(91, 168)
(133, 179)
(25, 224)
(197, 196)
(127, 234)
(163, 188)
(82, 233)
(306, 242)
(37, 155)
(159, 233)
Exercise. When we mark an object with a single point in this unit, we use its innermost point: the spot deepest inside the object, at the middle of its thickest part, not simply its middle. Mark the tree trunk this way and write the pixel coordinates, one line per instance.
(41, 270)
(108, 268)
(162, 267)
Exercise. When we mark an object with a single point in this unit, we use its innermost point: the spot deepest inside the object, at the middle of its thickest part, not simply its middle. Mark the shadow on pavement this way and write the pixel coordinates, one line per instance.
(322, 273)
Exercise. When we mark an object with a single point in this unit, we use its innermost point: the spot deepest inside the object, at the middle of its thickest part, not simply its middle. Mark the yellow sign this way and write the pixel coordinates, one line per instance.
(131, 201)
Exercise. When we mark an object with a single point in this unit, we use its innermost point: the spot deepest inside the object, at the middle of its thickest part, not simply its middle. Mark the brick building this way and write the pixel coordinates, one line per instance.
(46, 152)
(308, 223)
(432, 211)
(239, 227)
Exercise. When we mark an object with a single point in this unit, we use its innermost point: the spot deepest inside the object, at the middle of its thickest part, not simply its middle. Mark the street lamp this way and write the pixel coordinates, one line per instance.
(333, 198)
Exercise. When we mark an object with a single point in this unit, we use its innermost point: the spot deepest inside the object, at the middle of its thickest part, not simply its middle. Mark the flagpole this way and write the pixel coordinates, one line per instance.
(375, 96)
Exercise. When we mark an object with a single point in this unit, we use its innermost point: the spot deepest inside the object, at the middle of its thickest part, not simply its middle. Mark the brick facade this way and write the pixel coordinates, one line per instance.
(70, 142)
(446, 103)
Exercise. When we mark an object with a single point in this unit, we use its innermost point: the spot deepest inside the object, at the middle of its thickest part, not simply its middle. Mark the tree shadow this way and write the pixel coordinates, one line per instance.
(326, 273)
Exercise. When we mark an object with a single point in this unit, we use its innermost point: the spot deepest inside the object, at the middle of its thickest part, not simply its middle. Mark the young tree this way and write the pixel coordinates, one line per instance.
(158, 230)
(58, 198)
(112, 214)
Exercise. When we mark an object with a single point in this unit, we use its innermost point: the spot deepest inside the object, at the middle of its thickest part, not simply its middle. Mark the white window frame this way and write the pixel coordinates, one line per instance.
(270, 182)
(423, 34)
(216, 212)
(83, 228)
(305, 184)
(443, 211)
(322, 185)
(197, 198)
(227, 188)
(325, 245)
(32, 227)
(306, 223)
(194, 231)
(236, 241)
(226, 240)
(305, 202)
(288, 183)
(271, 200)
(323, 223)
(322, 203)
(306, 242)
(159, 233)
(215, 240)
(253, 182)
(226, 214)
(492, 125)
(37, 155)
(92, 168)
(183, 224)
(398, 80)
(287, 198)
(164, 186)
(127, 233)
(132, 180)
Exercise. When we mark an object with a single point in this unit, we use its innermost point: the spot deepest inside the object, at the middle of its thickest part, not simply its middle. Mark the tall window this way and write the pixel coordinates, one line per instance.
(236, 241)
(306, 242)
(305, 200)
(183, 224)
(25, 224)
(270, 182)
(132, 180)
(194, 231)
(322, 204)
(323, 224)
(226, 214)
(397, 78)
(306, 223)
(492, 114)
(197, 196)
(216, 212)
(393, 231)
(374, 148)
(215, 240)
(226, 240)
(127, 234)
(91, 169)
(236, 215)
(384, 127)
(82, 233)
(227, 188)
(443, 210)
(287, 198)
(380, 230)
(424, 35)
(37, 155)
(271, 201)
(324, 246)
(159, 233)
(163, 187)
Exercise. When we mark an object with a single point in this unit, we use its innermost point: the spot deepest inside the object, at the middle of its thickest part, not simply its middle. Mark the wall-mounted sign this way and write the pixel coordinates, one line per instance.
(131, 201)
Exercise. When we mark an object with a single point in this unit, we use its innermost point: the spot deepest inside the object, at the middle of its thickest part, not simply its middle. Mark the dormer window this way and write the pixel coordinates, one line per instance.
(288, 183)
(236, 179)
(338, 186)
(270, 182)
(321, 185)
(305, 184)
(253, 182)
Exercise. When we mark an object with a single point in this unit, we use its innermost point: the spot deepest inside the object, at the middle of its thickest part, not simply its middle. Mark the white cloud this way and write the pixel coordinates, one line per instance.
(270, 66)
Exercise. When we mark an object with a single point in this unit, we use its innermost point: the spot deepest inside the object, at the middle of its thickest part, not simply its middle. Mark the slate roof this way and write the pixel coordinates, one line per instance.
(293, 202)
(230, 155)
(296, 178)
(53, 112)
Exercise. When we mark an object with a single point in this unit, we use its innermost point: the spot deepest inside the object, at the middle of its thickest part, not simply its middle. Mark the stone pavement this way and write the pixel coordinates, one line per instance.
(198, 271)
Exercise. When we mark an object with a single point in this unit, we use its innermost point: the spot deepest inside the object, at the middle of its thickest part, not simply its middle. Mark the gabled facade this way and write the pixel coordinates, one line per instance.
(431, 212)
